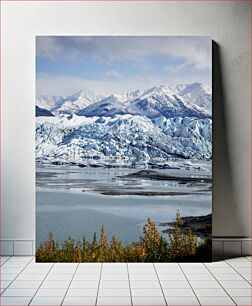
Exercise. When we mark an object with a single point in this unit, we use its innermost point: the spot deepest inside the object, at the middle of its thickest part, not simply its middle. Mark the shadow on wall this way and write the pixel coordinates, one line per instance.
(226, 221)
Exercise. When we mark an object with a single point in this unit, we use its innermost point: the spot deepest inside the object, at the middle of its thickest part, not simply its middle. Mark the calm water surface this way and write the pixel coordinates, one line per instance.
(70, 201)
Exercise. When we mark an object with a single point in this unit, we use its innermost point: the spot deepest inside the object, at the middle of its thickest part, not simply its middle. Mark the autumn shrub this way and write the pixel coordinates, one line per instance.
(181, 245)
(153, 244)
(151, 247)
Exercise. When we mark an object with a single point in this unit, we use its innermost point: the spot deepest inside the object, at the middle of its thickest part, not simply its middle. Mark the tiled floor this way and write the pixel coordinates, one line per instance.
(24, 282)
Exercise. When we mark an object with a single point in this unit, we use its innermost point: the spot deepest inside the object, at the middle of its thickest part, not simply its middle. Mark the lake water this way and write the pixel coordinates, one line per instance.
(73, 201)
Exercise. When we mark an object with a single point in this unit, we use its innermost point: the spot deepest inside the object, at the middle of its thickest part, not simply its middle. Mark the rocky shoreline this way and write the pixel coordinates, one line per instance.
(201, 226)
(154, 175)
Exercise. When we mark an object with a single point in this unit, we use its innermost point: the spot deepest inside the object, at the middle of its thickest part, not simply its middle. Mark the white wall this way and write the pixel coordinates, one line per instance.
(229, 25)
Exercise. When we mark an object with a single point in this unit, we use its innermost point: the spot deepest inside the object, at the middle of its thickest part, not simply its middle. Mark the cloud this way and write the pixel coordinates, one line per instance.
(47, 47)
(52, 84)
(113, 74)
(193, 50)
(174, 68)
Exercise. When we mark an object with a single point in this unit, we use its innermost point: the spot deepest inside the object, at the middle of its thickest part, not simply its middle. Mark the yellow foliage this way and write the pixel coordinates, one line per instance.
(151, 247)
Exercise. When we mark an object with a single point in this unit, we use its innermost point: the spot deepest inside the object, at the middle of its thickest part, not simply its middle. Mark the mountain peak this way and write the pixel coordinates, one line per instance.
(193, 99)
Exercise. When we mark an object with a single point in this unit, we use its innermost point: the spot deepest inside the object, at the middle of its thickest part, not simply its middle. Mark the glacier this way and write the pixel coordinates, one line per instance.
(164, 126)
(126, 139)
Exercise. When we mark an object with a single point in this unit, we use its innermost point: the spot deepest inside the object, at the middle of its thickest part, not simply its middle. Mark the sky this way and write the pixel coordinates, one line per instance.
(117, 64)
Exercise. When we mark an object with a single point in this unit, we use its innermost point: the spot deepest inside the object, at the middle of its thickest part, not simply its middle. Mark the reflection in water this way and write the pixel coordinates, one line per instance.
(74, 201)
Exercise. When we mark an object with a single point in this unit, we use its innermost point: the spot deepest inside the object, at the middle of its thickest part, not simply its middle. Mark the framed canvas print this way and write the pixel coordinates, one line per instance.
(123, 148)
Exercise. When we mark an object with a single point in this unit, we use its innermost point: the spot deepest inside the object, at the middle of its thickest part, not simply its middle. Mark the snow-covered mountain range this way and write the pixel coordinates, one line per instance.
(154, 126)
(170, 101)
(68, 105)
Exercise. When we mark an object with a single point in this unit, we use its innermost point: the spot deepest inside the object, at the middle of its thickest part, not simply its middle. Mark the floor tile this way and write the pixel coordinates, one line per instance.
(145, 284)
(119, 276)
(5, 283)
(210, 292)
(4, 259)
(237, 259)
(14, 264)
(220, 300)
(195, 270)
(29, 270)
(172, 276)
(63, 270)
(140, 264)
(19, 292)
(178, 292)
(140, 270)
(79, 301)
(189, 300)
(47, 300)
(229, 276)
(241, 264)
(243, 300)
(113, 284)
(114, 271)
(66, 265)
(7, 276)
(235, 284)
(205, 284)
(51, 292)
(239, 291)
(201, 277)
(22, 258)
(114, 292)
(243, 270)
(166, 264)
(90, 277)
(25, 284)
(88, 269)
(106, 269)
(9, 270)
(168, 270)
(146, 292)
(31, 277)
(217, 264)
(191, 264)
(84, 284)
(91, 264)
(59, 277)
(221, 270)
(104, 300)
(82, 292)
(143, 277)
(15, 300)
(150, 300)
(114, 265)
(247, 277)
(175, 284)
(40, 265)
(55, 284)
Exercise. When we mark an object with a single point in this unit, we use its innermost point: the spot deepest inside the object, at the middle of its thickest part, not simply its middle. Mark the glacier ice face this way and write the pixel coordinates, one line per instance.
(126, 138)
(154, 126)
